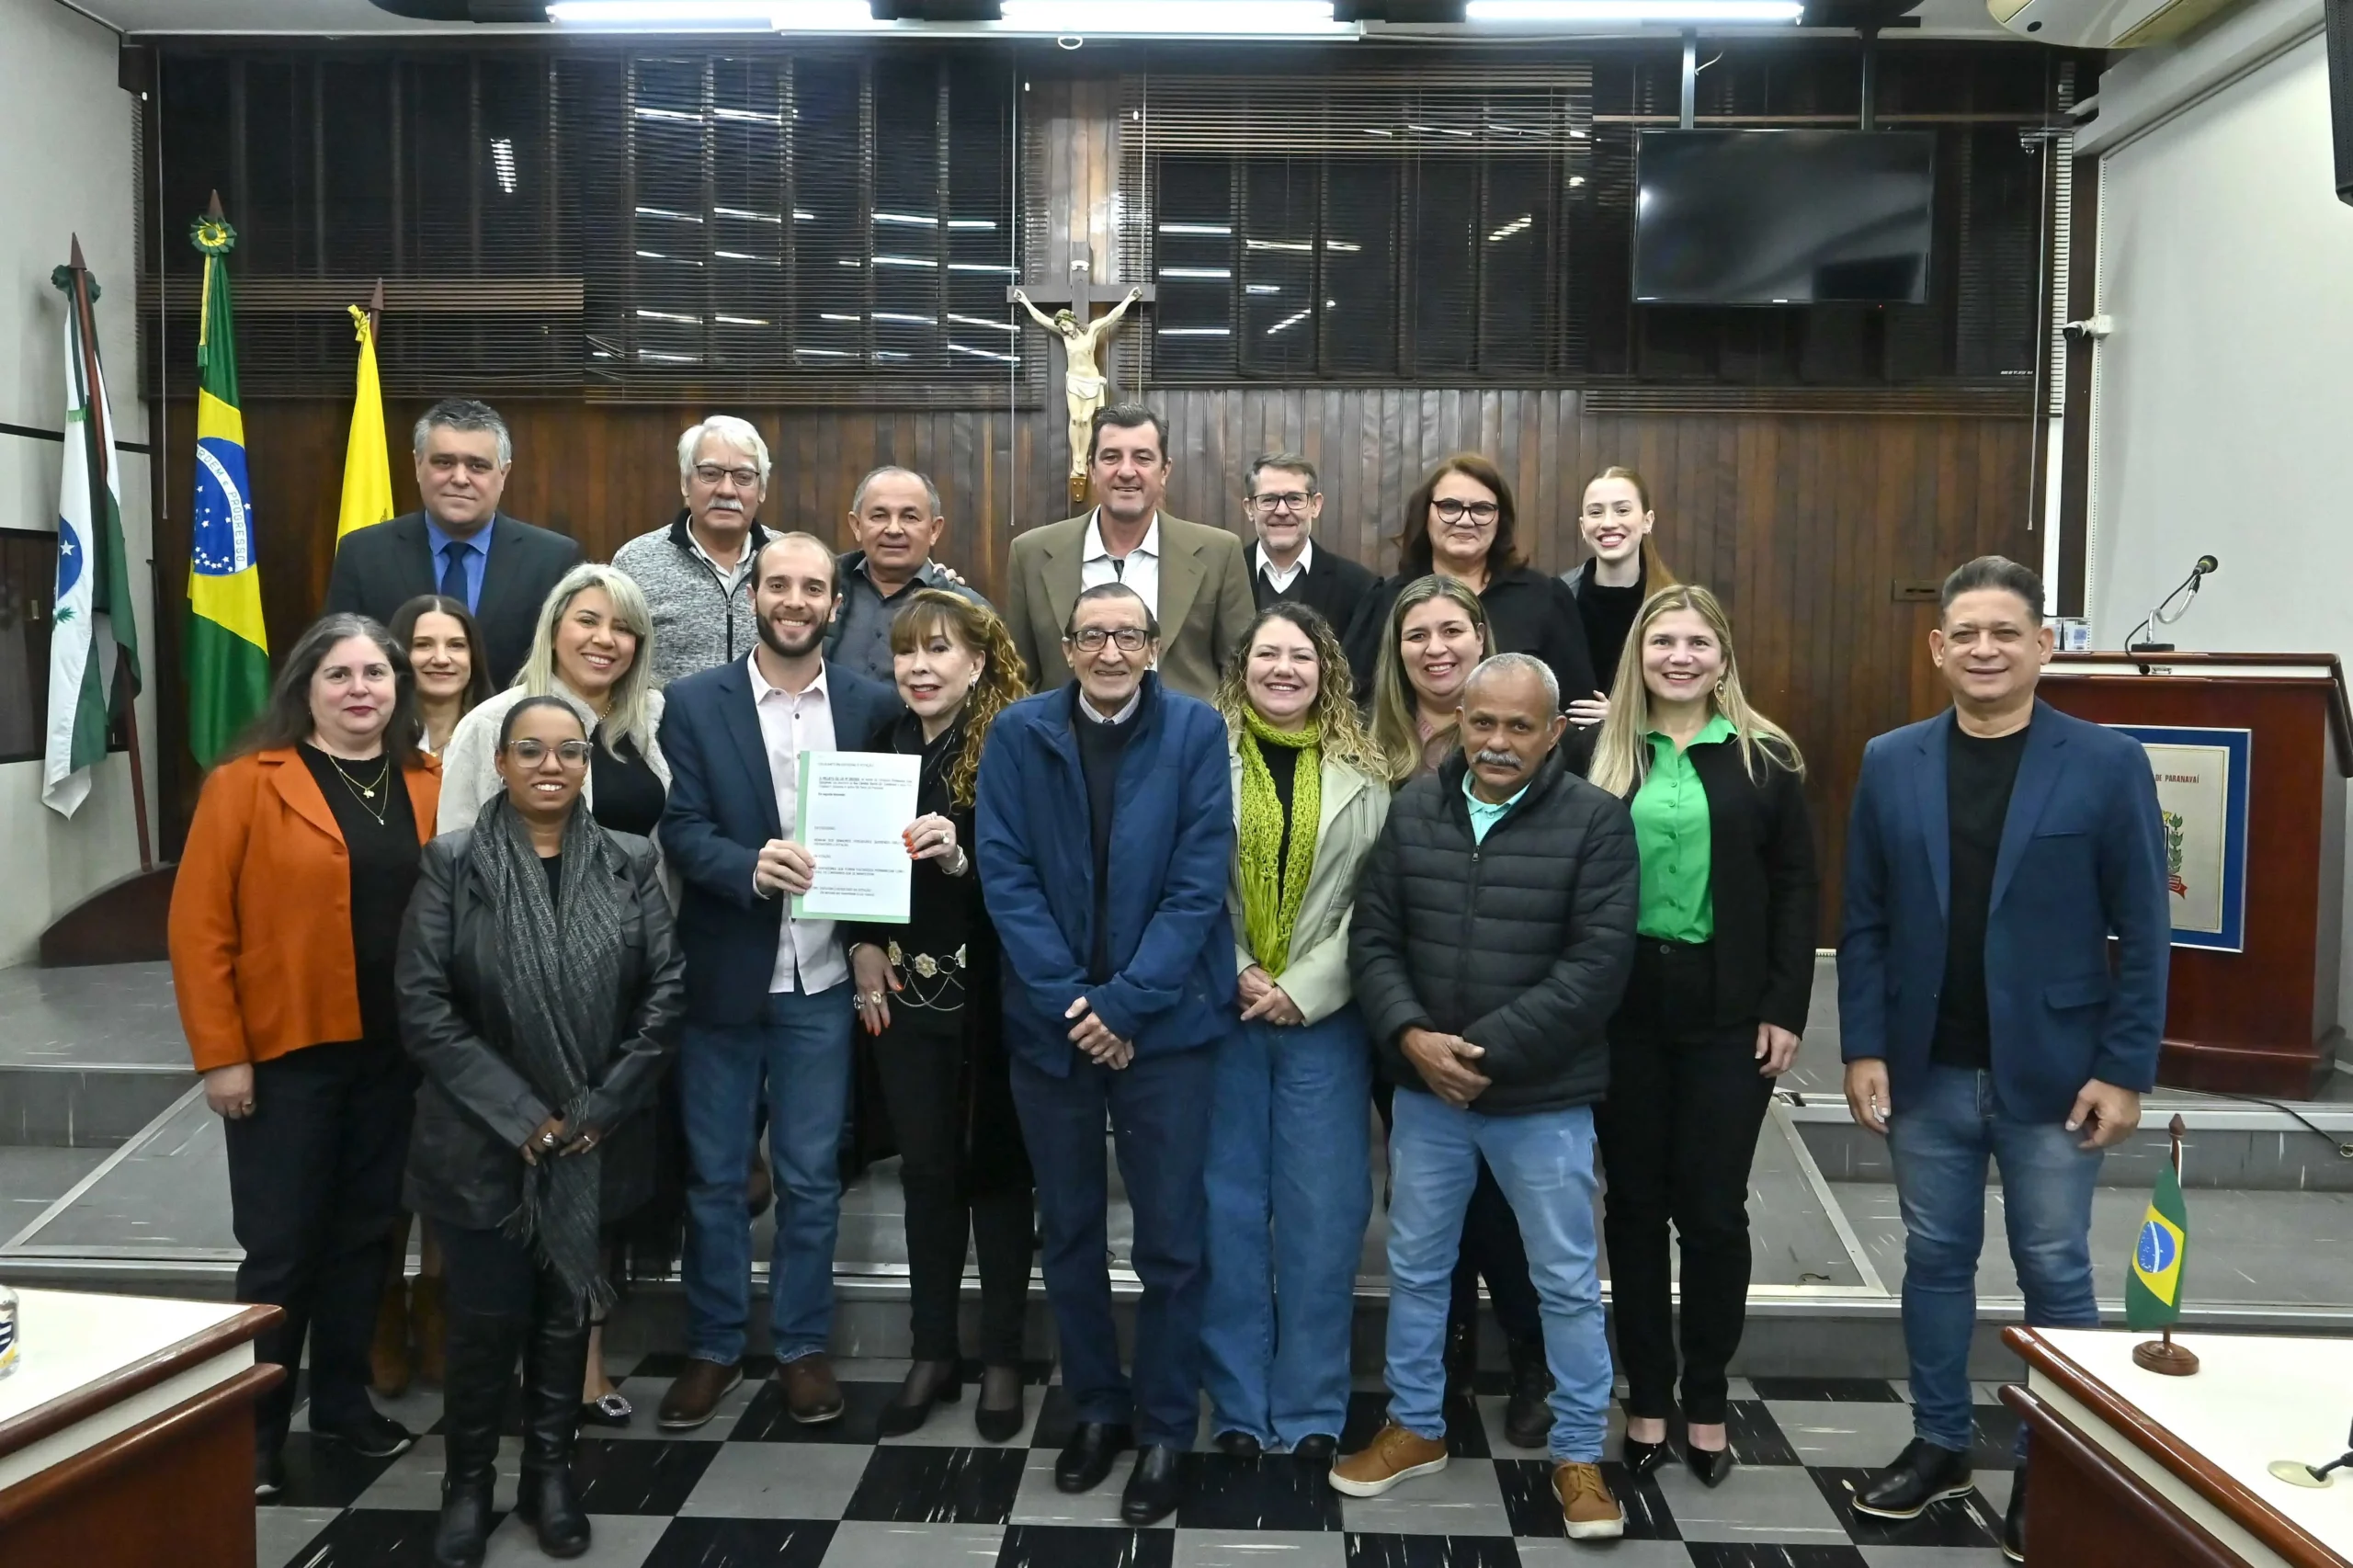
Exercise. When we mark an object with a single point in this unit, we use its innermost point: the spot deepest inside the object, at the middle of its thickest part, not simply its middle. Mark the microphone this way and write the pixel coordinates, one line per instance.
(2166, 612)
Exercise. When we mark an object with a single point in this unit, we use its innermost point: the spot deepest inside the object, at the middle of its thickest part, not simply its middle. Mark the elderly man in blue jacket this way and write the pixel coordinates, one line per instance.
(1105, 836)
(1993, 852)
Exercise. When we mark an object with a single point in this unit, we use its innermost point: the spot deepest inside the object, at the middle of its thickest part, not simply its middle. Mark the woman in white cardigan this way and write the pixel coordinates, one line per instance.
(592, 648)
(593, 651)
(1290, 1185)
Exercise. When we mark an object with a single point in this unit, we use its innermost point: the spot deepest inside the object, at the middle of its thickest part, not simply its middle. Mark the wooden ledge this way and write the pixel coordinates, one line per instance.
(47, 1420)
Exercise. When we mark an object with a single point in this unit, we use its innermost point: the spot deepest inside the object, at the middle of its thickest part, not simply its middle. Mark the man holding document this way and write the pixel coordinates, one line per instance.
(1115, 982)
(767, 992)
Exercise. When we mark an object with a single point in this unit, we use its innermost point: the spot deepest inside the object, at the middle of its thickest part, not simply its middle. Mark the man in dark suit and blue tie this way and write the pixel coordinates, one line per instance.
(460, 544)
(1993, 852)
(769, 993)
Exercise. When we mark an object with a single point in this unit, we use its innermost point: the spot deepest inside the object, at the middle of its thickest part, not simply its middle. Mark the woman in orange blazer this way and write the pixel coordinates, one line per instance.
(285, 919)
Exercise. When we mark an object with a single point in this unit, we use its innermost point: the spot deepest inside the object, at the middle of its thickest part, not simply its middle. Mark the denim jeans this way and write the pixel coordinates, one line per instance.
(1290, 1194)
(801, 1048)
(1939, 1140)
(1544, 1164)
(1159, 1110)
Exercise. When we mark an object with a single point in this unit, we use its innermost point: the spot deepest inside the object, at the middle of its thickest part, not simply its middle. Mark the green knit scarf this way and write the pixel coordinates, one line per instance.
(1267, 918)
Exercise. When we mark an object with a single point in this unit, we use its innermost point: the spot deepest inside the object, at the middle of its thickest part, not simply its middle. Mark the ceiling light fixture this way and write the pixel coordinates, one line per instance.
(1670, 11)
(1193, 18)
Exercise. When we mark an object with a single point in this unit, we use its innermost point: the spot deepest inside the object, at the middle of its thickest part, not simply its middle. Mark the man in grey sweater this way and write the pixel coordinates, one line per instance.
(697, 573)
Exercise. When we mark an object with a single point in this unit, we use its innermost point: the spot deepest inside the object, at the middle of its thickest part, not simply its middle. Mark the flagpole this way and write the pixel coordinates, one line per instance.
(101, 503)
(375, 311)
(2161, 1354)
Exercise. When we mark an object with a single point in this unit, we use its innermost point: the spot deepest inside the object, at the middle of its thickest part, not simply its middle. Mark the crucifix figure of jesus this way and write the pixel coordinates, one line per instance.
(1083, 379)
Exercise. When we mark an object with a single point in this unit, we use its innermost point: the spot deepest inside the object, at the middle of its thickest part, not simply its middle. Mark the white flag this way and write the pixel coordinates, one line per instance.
(81, 655)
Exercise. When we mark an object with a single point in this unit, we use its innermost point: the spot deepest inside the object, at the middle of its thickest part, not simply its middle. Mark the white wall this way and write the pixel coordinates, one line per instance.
(67, 167)
(2224, 405)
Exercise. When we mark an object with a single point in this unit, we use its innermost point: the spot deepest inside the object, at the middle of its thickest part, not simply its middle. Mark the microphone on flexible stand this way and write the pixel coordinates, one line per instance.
(2167, 612)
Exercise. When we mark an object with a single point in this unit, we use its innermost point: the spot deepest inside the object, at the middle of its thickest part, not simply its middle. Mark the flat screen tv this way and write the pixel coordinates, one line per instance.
(1783, 217)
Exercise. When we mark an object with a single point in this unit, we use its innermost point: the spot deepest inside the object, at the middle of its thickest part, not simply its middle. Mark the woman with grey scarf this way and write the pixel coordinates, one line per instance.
(540, 992)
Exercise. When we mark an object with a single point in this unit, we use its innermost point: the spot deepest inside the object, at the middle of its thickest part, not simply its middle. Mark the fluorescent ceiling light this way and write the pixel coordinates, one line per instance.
(1210, 17)
(780, 15)
(1632, 11)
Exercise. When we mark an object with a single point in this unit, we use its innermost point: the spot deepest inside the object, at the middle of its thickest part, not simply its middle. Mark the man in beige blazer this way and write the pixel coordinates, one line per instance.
(1194, 579)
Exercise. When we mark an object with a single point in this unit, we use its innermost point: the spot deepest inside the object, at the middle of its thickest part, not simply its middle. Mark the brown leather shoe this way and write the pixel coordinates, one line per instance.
(694, 1393)
(811, 1394)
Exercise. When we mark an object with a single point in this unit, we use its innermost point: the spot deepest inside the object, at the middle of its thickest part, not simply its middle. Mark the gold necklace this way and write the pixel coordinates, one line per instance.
(366, 793)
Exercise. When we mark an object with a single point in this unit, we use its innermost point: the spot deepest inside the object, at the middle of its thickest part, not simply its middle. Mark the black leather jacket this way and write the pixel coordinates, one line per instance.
(475, 1107)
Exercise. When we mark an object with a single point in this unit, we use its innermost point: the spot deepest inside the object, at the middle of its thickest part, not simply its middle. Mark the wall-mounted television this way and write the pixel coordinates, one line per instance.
(1783, 217)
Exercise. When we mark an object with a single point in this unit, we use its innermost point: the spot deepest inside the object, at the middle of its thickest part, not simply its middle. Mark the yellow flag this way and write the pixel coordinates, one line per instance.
(367, 467)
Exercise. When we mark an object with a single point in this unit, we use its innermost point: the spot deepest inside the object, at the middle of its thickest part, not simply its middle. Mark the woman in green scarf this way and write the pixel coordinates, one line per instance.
(1290, 1182)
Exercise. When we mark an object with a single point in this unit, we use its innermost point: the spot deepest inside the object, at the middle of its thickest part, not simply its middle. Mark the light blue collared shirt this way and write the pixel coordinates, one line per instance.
(1484, 816)
(476, 555)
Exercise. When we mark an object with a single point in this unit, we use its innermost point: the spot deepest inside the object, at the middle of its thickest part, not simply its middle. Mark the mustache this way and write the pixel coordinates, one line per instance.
(1493, 758)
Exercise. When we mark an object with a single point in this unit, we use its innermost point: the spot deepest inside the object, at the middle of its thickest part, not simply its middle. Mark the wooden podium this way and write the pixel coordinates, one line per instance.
(2261, 1019)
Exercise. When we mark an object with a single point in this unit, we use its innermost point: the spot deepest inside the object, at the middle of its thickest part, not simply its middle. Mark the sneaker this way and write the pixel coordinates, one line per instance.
(1394, 1455)
(375, 1436)
(1586, 1505)
(269, 1475)
(1923, 1473)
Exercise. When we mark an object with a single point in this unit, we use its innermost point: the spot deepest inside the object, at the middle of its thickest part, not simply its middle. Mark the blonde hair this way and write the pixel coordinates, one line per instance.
(1654, 573)
(1340, 732)
(1621, 756)
(627, 715)
(1394, 708)
(1001, 682)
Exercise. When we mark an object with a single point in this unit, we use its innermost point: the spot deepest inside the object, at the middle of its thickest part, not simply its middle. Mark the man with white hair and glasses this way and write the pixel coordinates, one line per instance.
(697, 573)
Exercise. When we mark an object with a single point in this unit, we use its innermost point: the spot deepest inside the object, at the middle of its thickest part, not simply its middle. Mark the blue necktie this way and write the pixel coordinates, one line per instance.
(453, 571)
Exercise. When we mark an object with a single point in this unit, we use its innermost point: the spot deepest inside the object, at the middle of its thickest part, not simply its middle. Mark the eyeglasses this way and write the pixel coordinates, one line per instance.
(1451, 510)
(532, 752)
(1295, 500)
(711, 473)
(1131, 640)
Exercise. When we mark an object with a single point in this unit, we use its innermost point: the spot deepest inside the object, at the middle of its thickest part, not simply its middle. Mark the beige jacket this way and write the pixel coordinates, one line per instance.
(1354, 808)
(1205, 603)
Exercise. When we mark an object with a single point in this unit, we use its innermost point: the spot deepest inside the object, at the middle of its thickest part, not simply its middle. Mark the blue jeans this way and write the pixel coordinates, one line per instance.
(1159, 1109)
(1940, 1140)
(801, 1048)
(1290, 1194)
(1544, 1165)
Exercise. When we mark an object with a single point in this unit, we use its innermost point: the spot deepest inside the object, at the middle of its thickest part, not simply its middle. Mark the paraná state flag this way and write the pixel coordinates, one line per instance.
(93, 630)
(228, 648)
(2153, 1285)
(367, 462)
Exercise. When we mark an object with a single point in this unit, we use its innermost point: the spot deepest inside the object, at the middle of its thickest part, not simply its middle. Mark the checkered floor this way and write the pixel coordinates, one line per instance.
(754, 1488)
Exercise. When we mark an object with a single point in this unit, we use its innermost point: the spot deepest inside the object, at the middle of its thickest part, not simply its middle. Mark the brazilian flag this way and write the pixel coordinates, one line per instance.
(228, 650)
(2153, 1285)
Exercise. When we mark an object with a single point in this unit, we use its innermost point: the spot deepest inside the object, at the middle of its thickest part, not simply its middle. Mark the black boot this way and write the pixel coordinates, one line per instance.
(480, 1358)
(1527, 1417)
(1461, 1354)
(552, 1373)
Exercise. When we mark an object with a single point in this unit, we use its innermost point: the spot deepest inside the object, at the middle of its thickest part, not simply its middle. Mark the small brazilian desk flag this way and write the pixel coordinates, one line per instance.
(228, 650)
(2153, 1287)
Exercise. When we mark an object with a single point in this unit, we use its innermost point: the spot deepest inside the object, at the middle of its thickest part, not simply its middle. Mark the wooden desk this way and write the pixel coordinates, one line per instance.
(2133, 1468)
(126, 1432)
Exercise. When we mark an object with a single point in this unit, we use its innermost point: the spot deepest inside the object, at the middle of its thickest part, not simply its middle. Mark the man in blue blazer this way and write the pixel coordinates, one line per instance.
(1993, 853)
(1105, 837)
(767, 994)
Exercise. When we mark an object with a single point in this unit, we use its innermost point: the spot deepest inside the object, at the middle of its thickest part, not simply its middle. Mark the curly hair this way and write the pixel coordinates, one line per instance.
(1333, 716)
(1003, 680)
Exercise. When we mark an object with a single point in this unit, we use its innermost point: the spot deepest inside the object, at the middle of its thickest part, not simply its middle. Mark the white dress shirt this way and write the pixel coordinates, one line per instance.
(808, 955)
(1280, 577)
(1140, 570)
(1128, 711)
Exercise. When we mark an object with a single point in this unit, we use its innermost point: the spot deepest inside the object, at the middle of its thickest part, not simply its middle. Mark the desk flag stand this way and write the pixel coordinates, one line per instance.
(2153, 1285)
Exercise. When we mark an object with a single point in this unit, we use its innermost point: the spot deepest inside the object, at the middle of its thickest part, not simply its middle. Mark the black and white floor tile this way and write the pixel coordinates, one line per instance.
(752, 1488)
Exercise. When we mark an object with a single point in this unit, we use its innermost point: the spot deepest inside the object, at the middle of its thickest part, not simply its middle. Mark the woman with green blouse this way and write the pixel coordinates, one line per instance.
(1723, 968)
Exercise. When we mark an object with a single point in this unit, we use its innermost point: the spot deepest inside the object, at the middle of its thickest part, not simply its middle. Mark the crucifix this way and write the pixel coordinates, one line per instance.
(1081, 335)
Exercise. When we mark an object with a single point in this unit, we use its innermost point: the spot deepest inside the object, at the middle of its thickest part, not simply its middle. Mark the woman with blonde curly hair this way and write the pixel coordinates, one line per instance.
(928, 996)
(1289, 1155)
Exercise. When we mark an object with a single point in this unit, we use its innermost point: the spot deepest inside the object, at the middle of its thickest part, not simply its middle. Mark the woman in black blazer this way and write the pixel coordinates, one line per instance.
(541, 992)
(1723, 968)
